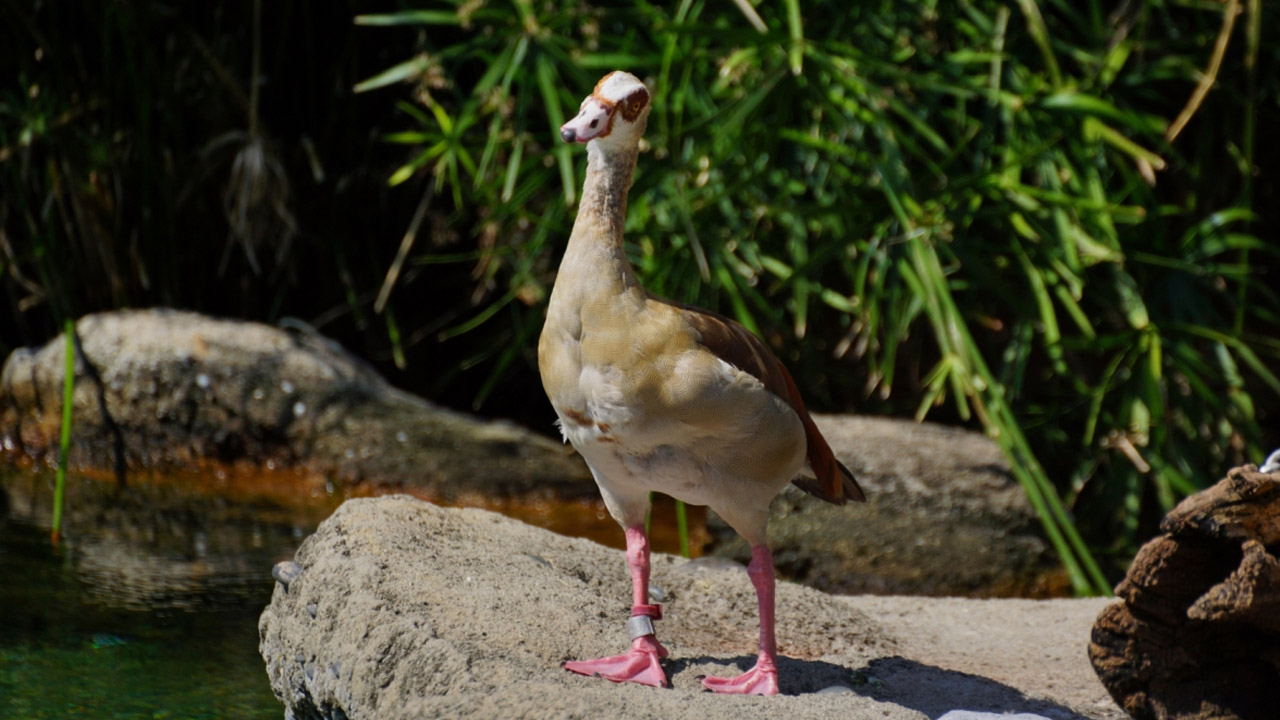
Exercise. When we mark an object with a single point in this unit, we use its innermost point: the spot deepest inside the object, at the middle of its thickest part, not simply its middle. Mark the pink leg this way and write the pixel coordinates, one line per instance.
(640, 665)
(763, 678)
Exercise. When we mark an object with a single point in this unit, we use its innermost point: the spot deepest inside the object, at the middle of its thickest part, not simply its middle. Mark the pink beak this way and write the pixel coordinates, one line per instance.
(592, 121)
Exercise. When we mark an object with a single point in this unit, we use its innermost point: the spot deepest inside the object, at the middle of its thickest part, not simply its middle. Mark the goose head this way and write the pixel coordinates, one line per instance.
(613, 114)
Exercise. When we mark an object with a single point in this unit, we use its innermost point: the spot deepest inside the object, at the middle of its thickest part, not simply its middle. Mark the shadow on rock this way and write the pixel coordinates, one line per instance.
(896, 680)
(935, 691)
(795, 676)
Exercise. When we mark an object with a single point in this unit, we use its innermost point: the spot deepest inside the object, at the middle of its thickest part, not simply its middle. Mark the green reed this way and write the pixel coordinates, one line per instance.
(64, 440)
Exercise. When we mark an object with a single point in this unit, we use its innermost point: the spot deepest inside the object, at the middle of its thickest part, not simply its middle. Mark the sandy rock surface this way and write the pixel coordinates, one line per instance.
(400, 609)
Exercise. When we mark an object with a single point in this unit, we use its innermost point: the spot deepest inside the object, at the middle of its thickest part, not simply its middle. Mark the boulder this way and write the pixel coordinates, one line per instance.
(397, 608)
(165, 388)
(1195, 634)
(944, 516)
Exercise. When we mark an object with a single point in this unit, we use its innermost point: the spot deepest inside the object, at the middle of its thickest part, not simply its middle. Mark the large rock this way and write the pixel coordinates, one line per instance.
(1196, 632)
(163, 388)
(944, 516)
(400, 609)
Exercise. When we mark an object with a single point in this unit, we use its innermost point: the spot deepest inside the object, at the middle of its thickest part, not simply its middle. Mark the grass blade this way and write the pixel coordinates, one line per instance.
(64, 437)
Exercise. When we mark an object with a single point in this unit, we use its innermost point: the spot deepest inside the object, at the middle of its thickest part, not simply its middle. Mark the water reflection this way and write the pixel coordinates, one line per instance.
(194, 542)
(148, 606)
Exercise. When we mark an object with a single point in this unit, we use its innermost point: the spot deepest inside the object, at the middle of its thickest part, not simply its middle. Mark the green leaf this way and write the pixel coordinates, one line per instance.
(479, 318)
(609, 61)
(410, 17)
(400, 72)
(547, 84)
(838, 301)
(1040, 35)
(1048, 318)
(1094, 128)
(795, 53)
(1129, 298)
(1094, 107)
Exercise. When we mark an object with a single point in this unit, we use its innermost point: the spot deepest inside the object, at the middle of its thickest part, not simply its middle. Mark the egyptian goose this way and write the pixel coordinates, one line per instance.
(658, 396)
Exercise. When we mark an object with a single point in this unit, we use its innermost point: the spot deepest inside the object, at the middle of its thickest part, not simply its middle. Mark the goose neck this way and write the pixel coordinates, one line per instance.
(595, 257)
(604, 192)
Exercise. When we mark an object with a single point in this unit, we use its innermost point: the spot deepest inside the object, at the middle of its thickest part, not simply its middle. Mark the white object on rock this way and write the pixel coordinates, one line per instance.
(976, 715)
(1272, 464)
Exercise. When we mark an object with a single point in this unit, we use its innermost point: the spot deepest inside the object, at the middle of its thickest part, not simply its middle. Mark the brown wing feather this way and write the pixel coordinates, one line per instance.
(737, 346)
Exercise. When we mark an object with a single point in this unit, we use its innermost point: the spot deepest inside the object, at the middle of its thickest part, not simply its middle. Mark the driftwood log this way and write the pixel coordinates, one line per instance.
(1196, 633)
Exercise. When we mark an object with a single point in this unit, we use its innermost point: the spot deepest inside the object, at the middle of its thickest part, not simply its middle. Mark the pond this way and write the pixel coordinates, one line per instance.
(148, 605)
(146, 608)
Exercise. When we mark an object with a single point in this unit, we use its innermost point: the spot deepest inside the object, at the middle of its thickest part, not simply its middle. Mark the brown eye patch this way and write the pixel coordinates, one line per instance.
(634, 103)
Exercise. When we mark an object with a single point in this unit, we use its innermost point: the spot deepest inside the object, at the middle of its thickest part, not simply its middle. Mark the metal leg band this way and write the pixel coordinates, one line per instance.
(639, 626)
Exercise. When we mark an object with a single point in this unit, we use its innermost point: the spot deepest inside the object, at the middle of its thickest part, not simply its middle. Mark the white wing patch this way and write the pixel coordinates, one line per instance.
(606, 403)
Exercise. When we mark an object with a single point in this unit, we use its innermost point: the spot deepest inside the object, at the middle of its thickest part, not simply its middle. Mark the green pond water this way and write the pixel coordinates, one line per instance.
(146, 608)
(148, 605)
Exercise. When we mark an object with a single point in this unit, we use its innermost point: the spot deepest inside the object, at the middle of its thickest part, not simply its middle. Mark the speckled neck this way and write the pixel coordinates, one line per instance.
(595, 262)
